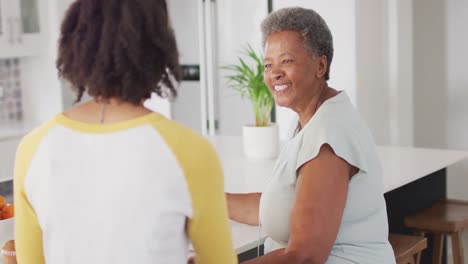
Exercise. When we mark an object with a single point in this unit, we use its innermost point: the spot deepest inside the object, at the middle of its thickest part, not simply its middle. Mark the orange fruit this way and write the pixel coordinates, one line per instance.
(7, 212)
(2, 202)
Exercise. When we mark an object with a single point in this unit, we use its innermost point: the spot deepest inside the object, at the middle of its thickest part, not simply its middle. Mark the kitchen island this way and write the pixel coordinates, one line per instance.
(414, 178)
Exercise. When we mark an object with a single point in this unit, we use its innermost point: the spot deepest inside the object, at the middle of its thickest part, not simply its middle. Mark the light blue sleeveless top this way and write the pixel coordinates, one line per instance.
(363, 233)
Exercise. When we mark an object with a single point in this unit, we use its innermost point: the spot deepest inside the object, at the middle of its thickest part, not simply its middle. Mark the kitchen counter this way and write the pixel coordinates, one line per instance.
(401, 166)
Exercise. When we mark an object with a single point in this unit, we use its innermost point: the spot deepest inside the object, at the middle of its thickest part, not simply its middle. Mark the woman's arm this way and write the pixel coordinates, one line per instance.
(243, 207)
(209, 229)
(28, 234)
(321, 191)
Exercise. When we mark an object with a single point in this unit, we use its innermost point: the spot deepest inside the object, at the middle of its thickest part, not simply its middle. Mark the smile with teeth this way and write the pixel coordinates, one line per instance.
(281, 87)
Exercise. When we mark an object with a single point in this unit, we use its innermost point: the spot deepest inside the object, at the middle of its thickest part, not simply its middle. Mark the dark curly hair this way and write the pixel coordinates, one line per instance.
(119, 48)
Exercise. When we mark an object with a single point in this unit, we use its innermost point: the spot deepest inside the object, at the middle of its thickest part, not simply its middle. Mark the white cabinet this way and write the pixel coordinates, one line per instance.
(22, 27)
(5, 27)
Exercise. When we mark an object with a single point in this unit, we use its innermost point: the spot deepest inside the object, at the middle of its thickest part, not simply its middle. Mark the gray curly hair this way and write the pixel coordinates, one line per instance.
(315, 32)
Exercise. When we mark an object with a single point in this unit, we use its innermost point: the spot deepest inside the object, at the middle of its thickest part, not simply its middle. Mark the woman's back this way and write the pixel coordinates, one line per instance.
(121, 193)
(109, 181)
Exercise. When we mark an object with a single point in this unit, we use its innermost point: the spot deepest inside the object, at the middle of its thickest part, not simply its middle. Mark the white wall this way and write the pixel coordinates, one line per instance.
(385, 69)
(401, 73)
(340, 16)
(457, 93)
(238, 23)
(430, 73)
(372, 67)
(441, 82)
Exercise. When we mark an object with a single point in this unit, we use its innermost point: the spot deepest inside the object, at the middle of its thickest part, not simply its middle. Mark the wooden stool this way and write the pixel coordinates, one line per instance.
(447, 217)
(407, 249)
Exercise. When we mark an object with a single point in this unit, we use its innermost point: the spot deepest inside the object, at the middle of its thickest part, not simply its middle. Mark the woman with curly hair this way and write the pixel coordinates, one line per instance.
(109, 181)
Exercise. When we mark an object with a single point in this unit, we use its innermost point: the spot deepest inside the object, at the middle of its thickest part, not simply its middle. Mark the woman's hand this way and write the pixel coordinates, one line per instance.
(191, 260)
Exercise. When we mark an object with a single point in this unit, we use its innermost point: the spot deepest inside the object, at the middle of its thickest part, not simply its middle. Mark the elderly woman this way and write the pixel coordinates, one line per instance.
(324, 202)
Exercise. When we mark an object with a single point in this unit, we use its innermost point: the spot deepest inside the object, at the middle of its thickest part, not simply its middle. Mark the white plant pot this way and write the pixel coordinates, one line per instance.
(260, 143)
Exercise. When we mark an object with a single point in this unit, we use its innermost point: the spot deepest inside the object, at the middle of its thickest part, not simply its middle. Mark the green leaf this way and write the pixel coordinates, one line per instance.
(247, 79)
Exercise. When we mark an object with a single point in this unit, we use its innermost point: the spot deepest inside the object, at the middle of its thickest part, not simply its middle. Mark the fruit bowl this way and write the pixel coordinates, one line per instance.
(7, 230)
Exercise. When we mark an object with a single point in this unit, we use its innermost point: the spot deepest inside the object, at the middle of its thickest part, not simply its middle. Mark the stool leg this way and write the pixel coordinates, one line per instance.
(438, 246)
(457, 248)
(418, 255)
(418, 258)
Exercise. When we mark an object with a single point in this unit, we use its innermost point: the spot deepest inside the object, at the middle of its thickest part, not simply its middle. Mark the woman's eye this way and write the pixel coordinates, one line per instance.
(287, 61)
(267, 66)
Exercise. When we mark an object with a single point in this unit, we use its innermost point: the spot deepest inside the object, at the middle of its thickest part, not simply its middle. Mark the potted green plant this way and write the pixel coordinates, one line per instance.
(246, 77)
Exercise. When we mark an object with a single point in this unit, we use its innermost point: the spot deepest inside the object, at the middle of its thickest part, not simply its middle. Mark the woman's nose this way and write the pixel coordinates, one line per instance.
(277, 73)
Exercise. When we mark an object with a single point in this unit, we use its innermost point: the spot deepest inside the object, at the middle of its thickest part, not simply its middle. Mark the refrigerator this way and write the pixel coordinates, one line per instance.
(211, 34)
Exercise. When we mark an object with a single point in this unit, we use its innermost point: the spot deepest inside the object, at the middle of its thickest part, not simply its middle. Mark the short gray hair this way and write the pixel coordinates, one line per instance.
(315, 32)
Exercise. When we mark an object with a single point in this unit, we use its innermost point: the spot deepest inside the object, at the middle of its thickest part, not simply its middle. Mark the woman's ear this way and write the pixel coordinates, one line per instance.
(323, 66)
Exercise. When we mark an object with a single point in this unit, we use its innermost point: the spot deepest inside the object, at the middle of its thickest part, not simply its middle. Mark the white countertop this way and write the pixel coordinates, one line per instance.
(401, 165)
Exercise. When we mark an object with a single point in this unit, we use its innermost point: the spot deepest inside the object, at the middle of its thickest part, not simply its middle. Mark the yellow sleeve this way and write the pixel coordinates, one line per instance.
(28, 234)
(208, 229)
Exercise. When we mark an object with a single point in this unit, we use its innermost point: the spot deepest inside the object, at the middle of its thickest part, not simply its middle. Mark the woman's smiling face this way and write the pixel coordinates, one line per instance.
(291, 73)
